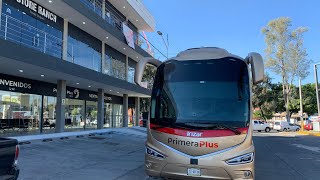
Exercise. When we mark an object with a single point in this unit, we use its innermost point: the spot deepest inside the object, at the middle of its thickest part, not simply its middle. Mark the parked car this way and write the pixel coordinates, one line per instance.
(261, 126)
(281, 126)
(9, 152)
(271, 124)
(308, 127)
(294, 127)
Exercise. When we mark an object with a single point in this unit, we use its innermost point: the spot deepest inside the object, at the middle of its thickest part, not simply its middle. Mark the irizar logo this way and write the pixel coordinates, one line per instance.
(194, 134)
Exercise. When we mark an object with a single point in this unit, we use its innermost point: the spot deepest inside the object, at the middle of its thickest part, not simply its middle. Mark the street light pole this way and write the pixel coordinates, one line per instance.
(165, 43)
(301, 108)
(317, 90)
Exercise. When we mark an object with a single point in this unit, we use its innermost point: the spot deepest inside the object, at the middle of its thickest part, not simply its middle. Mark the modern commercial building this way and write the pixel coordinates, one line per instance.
(69, 64)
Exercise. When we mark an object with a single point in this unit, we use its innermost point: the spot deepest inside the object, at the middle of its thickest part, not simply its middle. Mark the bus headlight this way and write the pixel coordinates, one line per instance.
(243, 159)
(154, 153)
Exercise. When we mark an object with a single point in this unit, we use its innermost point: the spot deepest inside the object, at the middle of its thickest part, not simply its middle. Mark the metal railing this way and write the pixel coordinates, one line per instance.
(140, 39)
(27, 35)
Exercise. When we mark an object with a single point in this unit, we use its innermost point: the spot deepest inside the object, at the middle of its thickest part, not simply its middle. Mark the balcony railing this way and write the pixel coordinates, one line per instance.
(139, 38)
(27, 35)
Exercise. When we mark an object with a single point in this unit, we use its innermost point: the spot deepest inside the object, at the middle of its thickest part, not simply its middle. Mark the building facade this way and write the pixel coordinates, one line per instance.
(69, 65)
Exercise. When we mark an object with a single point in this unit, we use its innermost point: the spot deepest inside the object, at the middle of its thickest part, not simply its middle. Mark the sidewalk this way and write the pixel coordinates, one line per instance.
(130, 130)
(311, 133)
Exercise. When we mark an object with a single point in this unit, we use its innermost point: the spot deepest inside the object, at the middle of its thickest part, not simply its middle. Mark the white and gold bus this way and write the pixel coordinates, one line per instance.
(200, 116)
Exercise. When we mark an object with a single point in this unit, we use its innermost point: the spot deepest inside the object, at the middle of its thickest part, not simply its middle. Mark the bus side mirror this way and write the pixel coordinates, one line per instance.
(257, 67)
(141, 65)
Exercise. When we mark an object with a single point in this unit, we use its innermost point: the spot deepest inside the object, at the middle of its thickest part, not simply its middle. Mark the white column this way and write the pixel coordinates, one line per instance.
(65, 40)
(103, 57)
(125, 110)
(104, 9)
(60, 111)
(126, 70)
(100, 109)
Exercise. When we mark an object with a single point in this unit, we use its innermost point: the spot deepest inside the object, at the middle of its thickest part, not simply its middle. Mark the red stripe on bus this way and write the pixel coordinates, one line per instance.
(205, 133)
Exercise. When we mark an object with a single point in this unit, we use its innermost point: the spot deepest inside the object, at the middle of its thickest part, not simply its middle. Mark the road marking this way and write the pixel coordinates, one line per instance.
(310, 148)
(305, 158)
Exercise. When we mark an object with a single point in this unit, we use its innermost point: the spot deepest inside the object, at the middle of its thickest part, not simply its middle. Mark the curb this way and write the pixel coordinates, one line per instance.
(310, 133)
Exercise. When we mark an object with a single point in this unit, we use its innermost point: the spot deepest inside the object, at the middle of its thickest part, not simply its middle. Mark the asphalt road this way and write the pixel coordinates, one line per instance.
(120, 156)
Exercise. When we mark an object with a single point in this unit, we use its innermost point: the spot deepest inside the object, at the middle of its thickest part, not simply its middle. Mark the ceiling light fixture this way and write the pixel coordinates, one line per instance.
(124, 7)
(42, 75)
(20, 70)
(89, 86)
(83, 22)
(50, 1)
(107, 37)
(110, 90)
(118, 92)
(77, 83)
(124, 48)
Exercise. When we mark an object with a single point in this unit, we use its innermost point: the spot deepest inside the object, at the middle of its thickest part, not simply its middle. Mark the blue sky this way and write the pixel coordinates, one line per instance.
(233, 24)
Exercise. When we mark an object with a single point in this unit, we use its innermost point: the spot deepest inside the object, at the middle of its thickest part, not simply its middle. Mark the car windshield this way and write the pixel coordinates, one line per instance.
(277, 123)
(201, 93)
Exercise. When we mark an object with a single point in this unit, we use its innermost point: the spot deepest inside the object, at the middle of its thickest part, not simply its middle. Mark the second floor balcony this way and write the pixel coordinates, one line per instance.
(48, 40)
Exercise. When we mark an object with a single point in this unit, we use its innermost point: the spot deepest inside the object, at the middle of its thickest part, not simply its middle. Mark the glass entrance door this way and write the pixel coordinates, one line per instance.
(108, 115)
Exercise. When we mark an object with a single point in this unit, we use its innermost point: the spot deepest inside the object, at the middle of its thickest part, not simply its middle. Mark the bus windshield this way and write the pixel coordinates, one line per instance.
(201, 94)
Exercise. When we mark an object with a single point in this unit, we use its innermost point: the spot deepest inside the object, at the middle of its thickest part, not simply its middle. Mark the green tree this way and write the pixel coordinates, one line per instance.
(262, 99)
(148, 76)
(285, 54)
(309, 98)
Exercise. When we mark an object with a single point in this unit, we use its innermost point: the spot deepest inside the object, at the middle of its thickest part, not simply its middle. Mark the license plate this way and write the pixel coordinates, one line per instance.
(194, 172)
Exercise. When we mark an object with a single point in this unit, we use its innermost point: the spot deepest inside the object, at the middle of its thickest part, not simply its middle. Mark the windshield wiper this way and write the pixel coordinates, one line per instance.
(221, 126)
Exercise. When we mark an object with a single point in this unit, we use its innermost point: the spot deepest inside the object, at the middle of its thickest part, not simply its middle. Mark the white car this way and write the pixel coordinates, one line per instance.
(294, 127)
(260, 126)
(281, 126)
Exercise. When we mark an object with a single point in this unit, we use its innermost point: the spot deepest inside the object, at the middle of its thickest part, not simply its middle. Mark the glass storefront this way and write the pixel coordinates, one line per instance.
(117, 115)
(49, 114)
(74, 113)
(108, 115)
(91, 114)
(19, 113)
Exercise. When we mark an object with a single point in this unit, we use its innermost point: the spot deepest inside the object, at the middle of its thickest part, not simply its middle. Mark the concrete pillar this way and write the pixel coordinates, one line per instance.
(137, 105)
(126, 70)
(103, 57)
(65, 40)
(125, 110)
(100, 115)
(60, 111)
(104, 9)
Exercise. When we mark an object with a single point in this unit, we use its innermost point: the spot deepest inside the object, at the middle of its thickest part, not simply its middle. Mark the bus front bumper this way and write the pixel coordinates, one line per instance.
(180, 171)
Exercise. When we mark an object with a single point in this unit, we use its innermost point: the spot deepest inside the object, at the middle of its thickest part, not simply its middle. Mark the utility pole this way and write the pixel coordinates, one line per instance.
(301, 109)
(317, 90)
